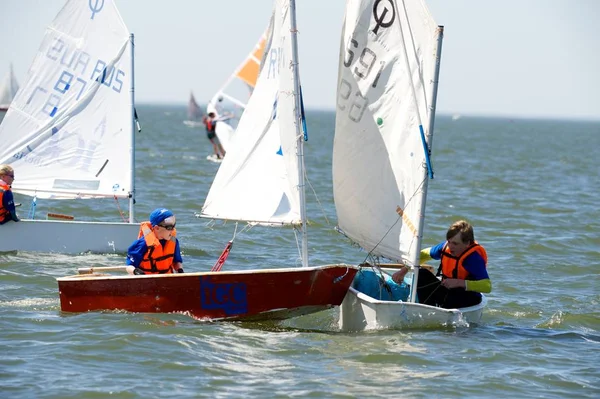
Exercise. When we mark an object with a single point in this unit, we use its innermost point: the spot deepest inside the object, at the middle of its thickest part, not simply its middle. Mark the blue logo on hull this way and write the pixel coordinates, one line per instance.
(231, 297)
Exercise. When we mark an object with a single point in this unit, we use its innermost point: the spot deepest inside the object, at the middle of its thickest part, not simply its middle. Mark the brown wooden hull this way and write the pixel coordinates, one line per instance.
(270, 294)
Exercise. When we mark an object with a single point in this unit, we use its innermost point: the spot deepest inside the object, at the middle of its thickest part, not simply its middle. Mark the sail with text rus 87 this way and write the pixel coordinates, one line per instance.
(69, 132)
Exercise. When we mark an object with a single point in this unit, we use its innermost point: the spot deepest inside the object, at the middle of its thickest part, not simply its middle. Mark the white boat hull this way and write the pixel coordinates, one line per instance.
(191, 123)
(360, 312)
(67, 237)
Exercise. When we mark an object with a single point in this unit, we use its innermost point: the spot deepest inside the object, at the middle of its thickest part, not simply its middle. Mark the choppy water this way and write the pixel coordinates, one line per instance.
(529, 187)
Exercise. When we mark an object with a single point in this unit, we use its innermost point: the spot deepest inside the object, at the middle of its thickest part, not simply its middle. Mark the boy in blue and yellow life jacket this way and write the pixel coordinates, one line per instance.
(463, 267)
(156, 251)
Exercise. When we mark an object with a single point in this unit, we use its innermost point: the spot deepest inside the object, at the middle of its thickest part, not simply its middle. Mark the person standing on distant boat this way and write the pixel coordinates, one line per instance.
(210, 121)
(8, 211)
(463, 268)
(156, 251)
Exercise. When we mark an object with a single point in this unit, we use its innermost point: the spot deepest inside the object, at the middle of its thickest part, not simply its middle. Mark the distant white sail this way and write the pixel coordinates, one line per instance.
(194, 111)
(69, 131)
(8, 89)
(258, 179)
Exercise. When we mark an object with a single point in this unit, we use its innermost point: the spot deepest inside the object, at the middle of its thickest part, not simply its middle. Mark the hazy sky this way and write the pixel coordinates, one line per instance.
(523, 58)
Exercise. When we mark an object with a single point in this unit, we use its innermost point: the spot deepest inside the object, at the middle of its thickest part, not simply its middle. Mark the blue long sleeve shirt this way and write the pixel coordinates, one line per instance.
(136, 252)
(473, 263)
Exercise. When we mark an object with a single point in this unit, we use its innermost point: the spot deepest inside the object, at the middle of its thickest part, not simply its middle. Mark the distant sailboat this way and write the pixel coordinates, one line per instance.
(236, 91)
(8, 89)
(194, 113)
(229, 102)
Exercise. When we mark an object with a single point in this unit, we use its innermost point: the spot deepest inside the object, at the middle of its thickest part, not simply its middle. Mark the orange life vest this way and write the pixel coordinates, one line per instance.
(452, 266)
(210, 126)
(157, 259)
(4, 213)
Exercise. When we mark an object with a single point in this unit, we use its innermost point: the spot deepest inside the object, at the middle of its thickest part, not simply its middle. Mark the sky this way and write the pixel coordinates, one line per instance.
(514, 58)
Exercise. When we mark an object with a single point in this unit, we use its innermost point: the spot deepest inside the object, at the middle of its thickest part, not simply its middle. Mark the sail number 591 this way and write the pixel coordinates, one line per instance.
(363, 69)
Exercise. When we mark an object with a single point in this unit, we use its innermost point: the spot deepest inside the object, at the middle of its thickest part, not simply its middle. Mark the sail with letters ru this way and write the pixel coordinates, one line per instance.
(387, 87)
(69, 133)
(268, 153)
(8, 89)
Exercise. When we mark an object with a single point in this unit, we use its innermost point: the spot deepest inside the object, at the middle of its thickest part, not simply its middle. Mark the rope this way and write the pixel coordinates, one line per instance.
(31, 214)
(395, 223)
(120, 210)
(316, 197)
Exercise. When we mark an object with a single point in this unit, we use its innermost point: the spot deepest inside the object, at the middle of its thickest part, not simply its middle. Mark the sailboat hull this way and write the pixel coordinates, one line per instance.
(359, 312)
(192, 123)
(269, 294)
(67, 237)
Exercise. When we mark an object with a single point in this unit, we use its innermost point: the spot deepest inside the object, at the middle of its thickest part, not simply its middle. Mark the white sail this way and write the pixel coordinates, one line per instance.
(379, 165)
(69, 131)
(258, 179)
(194, 112)
(8, 89)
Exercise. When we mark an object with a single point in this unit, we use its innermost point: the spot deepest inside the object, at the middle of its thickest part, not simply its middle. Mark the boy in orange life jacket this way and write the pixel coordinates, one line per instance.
(463, 268)
(156, 251)
(7, 203)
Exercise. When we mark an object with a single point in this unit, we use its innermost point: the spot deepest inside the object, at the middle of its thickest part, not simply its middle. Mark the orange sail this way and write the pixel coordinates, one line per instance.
(248, 71)
(238, 88)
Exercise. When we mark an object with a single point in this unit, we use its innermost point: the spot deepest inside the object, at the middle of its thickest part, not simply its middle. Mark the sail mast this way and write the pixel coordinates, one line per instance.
(299, 134)
(431, 121)
(132, 167)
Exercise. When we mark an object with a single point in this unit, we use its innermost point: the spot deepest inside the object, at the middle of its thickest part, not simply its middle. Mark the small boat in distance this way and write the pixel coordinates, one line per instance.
(194, 113)
(8, 89)
(229, 102)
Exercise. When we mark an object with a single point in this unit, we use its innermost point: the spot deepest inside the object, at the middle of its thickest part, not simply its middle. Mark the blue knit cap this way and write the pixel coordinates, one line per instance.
(158, 215)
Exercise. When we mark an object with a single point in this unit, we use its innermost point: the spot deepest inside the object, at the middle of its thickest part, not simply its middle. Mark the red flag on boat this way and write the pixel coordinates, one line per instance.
(217, 267)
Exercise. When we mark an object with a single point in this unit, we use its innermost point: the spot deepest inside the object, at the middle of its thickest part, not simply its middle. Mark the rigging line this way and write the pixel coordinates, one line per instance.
(316, 197)
(297, 245)
(120, 210)
(396, 222)
(414, 95)
(375, 264)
